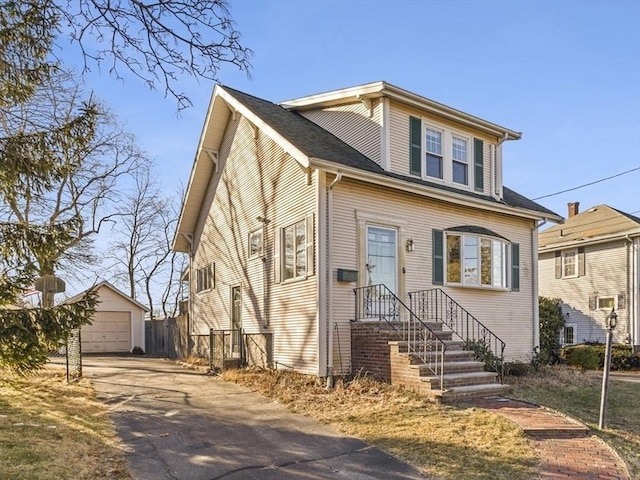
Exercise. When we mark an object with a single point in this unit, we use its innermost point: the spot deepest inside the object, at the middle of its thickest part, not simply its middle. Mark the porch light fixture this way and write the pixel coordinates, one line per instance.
(410, 246)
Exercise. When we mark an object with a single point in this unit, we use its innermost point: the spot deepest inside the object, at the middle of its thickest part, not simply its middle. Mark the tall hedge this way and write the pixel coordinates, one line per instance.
(551, 324)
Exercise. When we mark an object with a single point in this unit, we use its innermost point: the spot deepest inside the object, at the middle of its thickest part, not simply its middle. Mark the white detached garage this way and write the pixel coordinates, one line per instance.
(118, 324)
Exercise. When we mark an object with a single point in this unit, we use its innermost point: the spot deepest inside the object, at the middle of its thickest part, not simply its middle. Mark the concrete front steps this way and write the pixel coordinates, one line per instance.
(463, 377)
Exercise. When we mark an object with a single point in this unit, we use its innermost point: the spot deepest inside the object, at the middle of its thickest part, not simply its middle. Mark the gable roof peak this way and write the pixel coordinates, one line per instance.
(385, 89)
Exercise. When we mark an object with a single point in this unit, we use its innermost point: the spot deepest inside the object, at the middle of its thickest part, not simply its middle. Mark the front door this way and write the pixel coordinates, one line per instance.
(236, 321)
(382, 253)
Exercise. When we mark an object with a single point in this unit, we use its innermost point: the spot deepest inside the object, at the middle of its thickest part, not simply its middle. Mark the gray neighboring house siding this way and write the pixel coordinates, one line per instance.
(591, 263)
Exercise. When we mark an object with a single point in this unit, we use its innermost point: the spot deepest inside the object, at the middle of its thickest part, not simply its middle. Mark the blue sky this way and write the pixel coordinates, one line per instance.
(565, 73)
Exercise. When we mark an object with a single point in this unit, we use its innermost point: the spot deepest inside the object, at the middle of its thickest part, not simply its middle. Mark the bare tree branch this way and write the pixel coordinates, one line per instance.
(158, 41)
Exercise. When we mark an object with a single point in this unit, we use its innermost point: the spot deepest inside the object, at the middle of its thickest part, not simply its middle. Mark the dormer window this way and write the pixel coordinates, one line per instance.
(434, 153)
(460, 160)
(440, 153)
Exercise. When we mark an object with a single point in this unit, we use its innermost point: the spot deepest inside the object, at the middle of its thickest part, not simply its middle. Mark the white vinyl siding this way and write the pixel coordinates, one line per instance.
(508, 314)
(246, 189)
(400, 147)
(354, 125)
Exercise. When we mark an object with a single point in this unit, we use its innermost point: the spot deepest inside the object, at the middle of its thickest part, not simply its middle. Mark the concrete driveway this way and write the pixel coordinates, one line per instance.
(184, 425)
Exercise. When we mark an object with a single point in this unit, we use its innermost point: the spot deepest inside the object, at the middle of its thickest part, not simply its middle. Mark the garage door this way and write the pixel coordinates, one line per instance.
(110, 332)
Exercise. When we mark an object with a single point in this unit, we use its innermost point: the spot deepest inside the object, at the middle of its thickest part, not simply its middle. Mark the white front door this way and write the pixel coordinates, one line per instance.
(382, 257)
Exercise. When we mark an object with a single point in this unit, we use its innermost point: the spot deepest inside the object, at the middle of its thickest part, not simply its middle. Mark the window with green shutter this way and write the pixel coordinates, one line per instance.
(415, 139)
(478, 163)
(515, 267)
(438, 257)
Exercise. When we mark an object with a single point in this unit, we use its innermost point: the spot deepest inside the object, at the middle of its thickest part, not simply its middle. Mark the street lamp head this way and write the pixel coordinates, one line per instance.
(612, 320)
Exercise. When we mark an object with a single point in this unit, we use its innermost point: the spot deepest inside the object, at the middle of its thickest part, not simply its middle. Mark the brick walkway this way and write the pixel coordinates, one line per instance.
(565, 448)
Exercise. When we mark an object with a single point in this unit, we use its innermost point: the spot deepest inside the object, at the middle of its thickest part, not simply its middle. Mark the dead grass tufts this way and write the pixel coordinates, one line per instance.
(556, 376)
(50, 429)
(405, 424)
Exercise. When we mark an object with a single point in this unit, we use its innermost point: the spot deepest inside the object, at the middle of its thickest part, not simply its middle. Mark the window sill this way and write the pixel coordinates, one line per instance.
(478, 287)
(294, 280)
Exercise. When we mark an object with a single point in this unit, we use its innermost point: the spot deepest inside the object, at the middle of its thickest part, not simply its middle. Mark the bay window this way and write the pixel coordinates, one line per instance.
(474, 258)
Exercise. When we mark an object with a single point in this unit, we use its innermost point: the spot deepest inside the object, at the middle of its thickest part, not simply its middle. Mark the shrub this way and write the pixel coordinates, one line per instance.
(551, 323)
(583, 356)
(516, 369)
(483, 353)
(591, 357)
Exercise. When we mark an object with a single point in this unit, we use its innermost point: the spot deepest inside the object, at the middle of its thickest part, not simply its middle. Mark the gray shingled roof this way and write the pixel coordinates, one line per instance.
(316, 142)
(595, 222)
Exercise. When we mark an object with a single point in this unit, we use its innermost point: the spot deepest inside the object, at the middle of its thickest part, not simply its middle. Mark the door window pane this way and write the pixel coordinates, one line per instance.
(381, 257)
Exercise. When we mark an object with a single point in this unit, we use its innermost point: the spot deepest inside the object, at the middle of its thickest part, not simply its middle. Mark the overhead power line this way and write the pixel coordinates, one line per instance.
(587, 184)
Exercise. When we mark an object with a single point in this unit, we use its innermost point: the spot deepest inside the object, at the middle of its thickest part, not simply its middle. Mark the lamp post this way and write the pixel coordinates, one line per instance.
(612, 320)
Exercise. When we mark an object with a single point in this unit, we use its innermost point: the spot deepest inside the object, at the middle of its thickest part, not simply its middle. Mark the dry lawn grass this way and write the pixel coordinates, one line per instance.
(52, 430)
(443, 441)
(577, 393)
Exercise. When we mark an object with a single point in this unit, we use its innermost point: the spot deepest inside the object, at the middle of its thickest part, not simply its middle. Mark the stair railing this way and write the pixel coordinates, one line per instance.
(435, 305)
(378, 303)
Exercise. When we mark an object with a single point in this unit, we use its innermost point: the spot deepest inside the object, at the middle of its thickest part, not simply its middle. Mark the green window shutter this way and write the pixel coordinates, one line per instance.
(622, 300)
(558, 264)
(478, 161)
(581, 262)
(515, 267)
(415, 145)
(438, 257)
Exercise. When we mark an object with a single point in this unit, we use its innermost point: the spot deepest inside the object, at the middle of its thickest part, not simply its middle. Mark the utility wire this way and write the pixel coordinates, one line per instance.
(587, 184)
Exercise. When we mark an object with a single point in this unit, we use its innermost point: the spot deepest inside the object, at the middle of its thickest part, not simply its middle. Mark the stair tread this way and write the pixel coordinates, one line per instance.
(476, 388)
(465, 363)
(451, 376)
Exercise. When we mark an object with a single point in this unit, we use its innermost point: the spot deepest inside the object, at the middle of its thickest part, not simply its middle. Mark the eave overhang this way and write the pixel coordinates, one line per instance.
(444, 195)
(222, 107)
(581, 242)
(383, 89)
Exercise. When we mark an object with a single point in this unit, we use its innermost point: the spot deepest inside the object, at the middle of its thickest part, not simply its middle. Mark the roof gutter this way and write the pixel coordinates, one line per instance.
(458, 199)
(595, 241)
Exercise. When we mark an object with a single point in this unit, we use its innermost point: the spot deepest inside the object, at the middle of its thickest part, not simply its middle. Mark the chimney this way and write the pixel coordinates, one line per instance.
(574, 208)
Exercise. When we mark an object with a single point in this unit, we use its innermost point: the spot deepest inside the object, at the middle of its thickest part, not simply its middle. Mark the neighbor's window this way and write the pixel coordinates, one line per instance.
(295, 258)
(569, 263)
(606, 303)
(569, 334)
(256, 239)
(205, 278)
(476, 261)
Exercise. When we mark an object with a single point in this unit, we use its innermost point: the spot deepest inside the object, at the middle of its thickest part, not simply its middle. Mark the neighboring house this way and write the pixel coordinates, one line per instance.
(591, 263)
(118, 324)
(291, 207)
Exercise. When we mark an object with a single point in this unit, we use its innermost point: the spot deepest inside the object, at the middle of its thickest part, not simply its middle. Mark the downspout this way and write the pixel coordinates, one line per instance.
(630, 293)
(534, 293)
(329, 309)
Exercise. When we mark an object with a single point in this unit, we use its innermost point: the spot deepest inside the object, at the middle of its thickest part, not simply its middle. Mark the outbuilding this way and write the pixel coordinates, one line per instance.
(118, 324)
